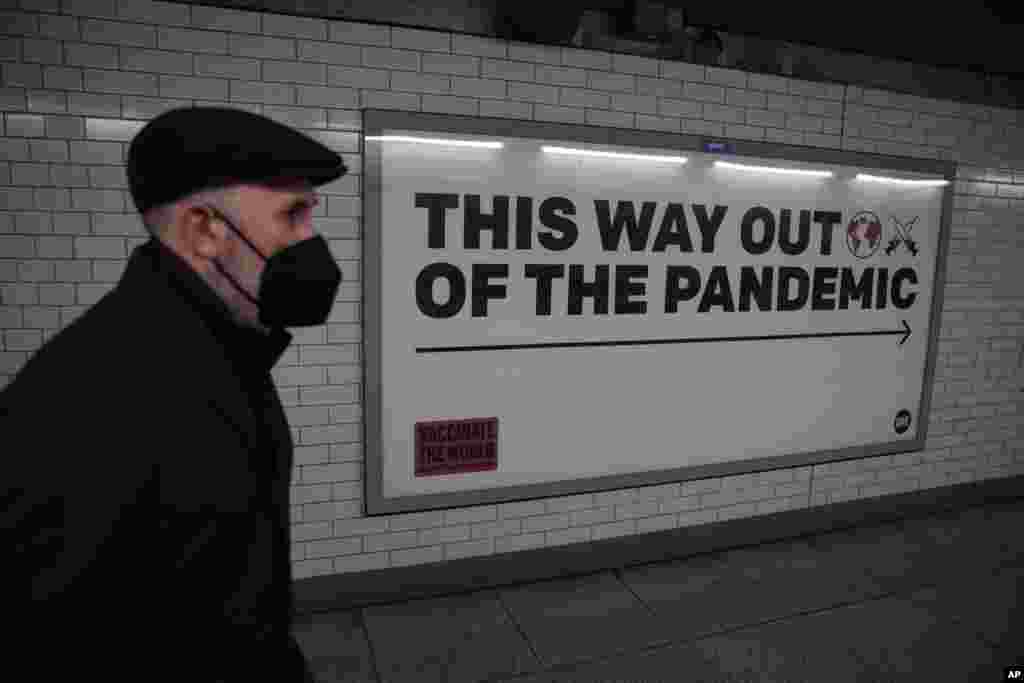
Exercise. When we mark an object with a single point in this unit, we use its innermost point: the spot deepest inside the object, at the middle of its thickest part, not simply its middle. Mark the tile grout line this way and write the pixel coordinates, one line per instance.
(842, 116)
(361, 616)
(519, 628)
(618, 575)
(571, 666)
(810, 487)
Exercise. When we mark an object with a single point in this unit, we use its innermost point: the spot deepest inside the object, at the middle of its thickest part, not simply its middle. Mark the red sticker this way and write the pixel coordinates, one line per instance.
(456, 446)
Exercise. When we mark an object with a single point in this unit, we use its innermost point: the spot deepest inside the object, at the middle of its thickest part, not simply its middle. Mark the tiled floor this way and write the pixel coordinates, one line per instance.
(929, 599)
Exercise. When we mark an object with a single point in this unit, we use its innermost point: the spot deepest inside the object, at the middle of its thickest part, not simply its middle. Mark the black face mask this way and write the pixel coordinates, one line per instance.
(298, 285)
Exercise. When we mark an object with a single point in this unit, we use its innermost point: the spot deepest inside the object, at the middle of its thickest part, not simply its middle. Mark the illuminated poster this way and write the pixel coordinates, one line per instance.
(626, 308)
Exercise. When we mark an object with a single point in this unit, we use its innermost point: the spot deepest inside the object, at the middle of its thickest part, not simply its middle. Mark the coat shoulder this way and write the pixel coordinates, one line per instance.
(116, 357)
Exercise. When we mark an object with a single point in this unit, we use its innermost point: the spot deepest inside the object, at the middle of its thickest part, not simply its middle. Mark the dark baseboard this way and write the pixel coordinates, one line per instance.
(346, 591)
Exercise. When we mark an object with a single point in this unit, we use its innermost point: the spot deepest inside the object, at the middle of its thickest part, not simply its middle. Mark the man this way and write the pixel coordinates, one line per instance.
(146, 459)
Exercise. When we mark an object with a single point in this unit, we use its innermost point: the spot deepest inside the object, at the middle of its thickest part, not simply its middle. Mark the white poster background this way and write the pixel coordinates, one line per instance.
(574, 413)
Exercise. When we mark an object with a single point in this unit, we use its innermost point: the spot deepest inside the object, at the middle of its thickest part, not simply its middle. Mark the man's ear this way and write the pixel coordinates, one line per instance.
(205, 233)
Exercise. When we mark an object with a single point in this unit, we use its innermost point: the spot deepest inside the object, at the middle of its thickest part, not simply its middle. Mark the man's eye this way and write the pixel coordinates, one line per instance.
(300, 209)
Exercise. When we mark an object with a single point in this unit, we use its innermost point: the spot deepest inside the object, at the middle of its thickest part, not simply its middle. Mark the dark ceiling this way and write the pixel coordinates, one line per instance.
(985, 36)
(980, 36)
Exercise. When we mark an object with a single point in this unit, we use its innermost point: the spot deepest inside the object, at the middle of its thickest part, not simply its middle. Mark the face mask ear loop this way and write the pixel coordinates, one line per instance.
(220, 268)
(216, 212)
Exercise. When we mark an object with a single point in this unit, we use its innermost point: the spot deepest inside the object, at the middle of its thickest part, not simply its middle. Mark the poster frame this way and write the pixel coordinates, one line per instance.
(378, 121)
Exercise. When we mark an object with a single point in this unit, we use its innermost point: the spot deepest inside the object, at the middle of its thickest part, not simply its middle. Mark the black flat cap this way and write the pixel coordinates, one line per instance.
(189, 149)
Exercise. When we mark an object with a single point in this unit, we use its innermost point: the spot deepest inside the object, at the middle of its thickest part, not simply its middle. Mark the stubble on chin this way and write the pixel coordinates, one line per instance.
(242, 311)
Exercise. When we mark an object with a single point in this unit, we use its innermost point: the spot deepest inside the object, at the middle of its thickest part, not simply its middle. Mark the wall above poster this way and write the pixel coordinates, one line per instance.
(555, 309)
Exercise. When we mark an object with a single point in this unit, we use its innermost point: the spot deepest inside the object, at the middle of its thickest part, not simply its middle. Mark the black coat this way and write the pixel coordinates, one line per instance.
(144, 475)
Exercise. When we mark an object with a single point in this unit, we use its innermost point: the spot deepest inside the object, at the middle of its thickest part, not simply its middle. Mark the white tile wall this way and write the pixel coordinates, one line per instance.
(78, 78)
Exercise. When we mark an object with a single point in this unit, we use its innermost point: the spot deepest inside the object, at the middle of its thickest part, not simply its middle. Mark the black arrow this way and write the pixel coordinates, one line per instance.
(905, 331)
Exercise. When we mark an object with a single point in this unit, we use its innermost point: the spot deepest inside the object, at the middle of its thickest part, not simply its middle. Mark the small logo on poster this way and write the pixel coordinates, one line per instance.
(902, 422)
(864, 234)
(1013, 673)
(456, 446)
(902, 230)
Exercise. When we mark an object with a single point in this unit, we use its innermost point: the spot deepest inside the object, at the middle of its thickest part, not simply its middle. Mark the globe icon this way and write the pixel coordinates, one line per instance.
(864, 234)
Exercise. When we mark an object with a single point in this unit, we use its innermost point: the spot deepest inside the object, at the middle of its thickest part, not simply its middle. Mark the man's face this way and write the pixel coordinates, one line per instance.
(272, 217)
(275, 216)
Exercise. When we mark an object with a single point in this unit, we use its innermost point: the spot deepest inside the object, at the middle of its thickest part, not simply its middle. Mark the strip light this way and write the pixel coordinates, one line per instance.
(437, 141)
(931, 182)
(612, 155)
(774, 169)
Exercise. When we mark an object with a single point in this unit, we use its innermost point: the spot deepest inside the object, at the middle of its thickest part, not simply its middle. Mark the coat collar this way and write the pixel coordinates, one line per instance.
(234, 361)
(252, 349)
